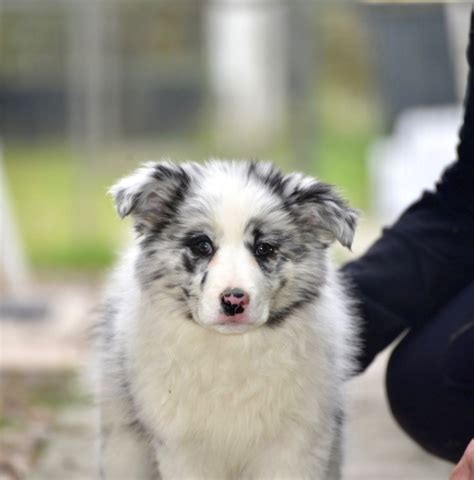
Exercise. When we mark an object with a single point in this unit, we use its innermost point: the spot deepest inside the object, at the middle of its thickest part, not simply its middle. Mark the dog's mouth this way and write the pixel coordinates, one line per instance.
(227, 324)
(235, 319)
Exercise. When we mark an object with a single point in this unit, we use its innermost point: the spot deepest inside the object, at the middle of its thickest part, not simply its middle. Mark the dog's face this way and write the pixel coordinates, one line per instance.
(233, 245)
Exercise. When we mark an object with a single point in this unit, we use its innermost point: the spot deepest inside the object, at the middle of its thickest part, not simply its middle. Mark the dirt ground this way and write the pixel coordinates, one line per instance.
(47, 422)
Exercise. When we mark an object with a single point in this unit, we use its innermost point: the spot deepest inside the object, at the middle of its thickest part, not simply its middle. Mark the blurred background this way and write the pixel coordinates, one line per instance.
(363, 95)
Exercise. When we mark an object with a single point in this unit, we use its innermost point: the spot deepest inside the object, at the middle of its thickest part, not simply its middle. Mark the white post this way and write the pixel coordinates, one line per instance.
(86, 99)
(14, 274)
(457, 24)
(247, 59)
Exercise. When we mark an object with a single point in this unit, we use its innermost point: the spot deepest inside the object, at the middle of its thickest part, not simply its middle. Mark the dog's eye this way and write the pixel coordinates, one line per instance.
(264, 250)
(202, 247)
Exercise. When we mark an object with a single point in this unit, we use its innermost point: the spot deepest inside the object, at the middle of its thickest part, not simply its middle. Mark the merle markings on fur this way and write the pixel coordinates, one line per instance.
(227, 335)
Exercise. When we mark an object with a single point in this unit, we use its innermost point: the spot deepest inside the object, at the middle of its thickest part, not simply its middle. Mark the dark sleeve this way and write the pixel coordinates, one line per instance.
(427, 256)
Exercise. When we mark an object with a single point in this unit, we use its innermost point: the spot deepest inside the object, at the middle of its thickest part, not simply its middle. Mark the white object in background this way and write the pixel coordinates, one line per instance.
(413, 158)
(457, 17)
(14, 274)
(246, 48)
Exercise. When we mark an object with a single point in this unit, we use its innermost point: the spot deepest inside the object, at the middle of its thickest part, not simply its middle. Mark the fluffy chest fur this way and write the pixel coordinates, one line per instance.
(231, 393)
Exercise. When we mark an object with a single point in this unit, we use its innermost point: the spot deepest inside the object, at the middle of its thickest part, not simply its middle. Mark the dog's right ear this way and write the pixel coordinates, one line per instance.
(150, 193)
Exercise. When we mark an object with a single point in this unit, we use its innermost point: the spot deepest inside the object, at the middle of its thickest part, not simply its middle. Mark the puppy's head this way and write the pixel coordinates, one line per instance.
(232, 245)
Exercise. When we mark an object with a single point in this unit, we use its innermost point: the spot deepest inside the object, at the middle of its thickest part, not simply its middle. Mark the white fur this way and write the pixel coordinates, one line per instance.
(259, 404)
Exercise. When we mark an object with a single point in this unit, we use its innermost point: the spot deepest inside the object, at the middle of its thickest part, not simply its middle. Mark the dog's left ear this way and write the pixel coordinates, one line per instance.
(322, 208)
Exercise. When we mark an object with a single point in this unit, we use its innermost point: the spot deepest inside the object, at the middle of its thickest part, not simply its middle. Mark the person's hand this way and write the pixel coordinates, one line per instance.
(465, 468)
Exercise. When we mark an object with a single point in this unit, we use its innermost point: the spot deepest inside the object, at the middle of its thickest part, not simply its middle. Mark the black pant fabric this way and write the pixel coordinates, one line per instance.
(418, 277)
(430, 379)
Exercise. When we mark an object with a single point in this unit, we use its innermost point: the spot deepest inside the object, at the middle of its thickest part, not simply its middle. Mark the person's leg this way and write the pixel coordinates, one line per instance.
(430, 380)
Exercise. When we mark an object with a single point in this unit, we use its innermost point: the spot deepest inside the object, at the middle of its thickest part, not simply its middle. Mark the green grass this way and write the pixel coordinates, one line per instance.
(342, 163)
(347, 128)
(65, 218)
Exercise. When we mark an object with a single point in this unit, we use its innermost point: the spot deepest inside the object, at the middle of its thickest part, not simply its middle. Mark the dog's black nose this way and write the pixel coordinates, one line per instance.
(234, 300)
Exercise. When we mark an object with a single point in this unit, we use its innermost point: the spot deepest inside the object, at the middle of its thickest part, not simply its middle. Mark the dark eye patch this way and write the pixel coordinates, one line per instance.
(288, 243)
(265, 252)
(199, 244)
(271, 246)
(265, 245)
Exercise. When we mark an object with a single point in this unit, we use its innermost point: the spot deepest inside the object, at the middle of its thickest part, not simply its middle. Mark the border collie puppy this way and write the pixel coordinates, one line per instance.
(226, 335)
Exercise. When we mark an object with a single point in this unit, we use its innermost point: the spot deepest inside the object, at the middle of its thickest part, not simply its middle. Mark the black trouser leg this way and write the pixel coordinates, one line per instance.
(430, 380)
